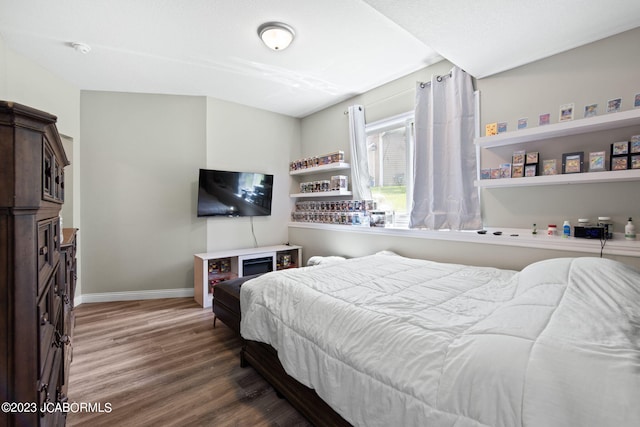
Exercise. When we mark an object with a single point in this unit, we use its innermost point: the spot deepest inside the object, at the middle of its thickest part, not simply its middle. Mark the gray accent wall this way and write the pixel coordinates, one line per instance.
(140, 160)
(140, 156)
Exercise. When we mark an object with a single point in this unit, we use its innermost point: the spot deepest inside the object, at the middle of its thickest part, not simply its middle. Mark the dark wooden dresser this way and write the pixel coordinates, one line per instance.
(35, 283)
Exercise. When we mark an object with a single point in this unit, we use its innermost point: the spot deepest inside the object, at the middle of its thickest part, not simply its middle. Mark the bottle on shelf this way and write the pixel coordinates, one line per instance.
(535, 229)
(566, 229)
(551, 230)
(630, 231)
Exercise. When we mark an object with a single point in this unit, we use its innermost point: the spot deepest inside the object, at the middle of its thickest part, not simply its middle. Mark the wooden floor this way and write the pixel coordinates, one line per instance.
(161, 363)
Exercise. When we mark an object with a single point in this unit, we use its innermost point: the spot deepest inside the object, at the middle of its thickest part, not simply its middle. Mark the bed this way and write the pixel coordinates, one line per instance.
(388, 340)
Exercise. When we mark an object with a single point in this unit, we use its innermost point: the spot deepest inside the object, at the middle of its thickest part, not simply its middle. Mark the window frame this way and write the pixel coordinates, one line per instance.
(406, 120)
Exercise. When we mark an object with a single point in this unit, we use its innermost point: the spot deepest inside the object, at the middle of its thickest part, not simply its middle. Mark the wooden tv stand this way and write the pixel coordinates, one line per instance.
(218, 266)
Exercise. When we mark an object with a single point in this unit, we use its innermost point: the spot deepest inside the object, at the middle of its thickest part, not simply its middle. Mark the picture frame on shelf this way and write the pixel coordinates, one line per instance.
(550, 167)
(522, 123)
(533, 157)
(495, 173)
(517, 170)
(518, 157)
(619, 163)
(485, 173)
(591, 110)
(572, 162)
(613, 105)
(491, 129)
(634, 144)
(566, 112)
(505, 170)
(635, 161)
(544, 119)
(619, 148)
(531, 170)
(597, 161)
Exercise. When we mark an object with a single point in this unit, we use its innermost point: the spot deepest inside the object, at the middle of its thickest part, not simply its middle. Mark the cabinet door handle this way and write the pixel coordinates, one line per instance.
(44, 250)
(45, 318)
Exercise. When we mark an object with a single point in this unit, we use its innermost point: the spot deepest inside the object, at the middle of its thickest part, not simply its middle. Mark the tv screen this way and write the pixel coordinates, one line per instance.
(225, 193)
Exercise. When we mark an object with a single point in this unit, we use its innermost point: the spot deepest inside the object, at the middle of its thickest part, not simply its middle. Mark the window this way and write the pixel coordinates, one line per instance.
(390, 154)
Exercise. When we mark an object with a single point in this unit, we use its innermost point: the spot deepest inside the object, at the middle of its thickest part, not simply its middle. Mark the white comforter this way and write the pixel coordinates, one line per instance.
(393, 341)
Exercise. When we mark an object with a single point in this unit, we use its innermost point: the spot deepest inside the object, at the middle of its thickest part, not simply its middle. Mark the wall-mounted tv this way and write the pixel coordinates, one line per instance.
(227, 193)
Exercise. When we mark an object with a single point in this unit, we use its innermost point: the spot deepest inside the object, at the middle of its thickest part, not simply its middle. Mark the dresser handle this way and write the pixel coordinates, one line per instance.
(44, 388)
(44, 250)
(62, 339)
(45, 318)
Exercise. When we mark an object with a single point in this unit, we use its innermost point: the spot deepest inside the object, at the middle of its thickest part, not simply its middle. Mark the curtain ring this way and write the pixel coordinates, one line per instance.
(422, 85)
(439, 79)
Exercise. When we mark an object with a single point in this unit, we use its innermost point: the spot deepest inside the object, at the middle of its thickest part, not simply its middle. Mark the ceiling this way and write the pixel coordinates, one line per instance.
(342, 47)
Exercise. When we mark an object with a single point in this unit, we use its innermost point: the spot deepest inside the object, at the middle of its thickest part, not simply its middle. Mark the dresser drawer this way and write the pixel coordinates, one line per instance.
(46, 326)
(50, 389)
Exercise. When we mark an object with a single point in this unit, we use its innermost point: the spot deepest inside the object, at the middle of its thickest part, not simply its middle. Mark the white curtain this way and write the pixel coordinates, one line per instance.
(360, 180)
(444, 196)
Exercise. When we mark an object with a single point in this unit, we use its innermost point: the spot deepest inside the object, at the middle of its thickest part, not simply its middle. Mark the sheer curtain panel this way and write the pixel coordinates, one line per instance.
(444, 196)
(360, 181)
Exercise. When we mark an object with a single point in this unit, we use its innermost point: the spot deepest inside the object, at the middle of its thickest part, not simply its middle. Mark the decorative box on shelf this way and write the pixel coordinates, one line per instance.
(310, 163)
(345, 212)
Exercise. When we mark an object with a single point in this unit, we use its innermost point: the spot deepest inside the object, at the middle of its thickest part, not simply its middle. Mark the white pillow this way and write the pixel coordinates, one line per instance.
(317, 260)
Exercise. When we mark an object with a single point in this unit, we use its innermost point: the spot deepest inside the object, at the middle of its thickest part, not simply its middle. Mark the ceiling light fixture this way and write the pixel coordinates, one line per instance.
(81, 47)
(276, 35)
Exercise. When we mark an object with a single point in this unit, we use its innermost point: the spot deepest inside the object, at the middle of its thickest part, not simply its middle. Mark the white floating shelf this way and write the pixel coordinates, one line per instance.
(575, 178)
(323, 194)
(558, 130)
(320, 169)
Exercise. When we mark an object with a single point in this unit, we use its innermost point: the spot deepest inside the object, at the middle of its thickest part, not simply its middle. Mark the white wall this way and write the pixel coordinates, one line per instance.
(593, 73)
(241, 138)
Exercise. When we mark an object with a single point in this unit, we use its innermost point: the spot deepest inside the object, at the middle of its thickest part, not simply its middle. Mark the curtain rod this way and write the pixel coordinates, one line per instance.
(384, 99)
(438, 78)
(422, 85)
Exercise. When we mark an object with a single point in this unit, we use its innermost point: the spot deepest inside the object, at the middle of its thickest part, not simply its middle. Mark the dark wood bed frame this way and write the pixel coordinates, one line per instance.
(264, 359)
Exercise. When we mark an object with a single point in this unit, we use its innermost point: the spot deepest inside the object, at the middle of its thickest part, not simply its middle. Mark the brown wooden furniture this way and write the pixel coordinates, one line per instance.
(68, 271)
(264, 359)
(34, 292)
(226, 302)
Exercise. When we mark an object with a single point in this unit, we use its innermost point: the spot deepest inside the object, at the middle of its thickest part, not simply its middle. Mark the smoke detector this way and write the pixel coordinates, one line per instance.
(81, 47)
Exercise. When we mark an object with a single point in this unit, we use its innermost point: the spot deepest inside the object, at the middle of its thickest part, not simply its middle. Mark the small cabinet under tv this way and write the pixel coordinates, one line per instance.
(212, 268)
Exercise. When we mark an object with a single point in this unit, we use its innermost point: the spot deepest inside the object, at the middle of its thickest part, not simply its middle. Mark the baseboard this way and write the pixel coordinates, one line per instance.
(133, 295)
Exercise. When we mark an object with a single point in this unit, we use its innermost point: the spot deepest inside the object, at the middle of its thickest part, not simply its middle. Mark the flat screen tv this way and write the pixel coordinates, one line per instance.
(226, 193)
